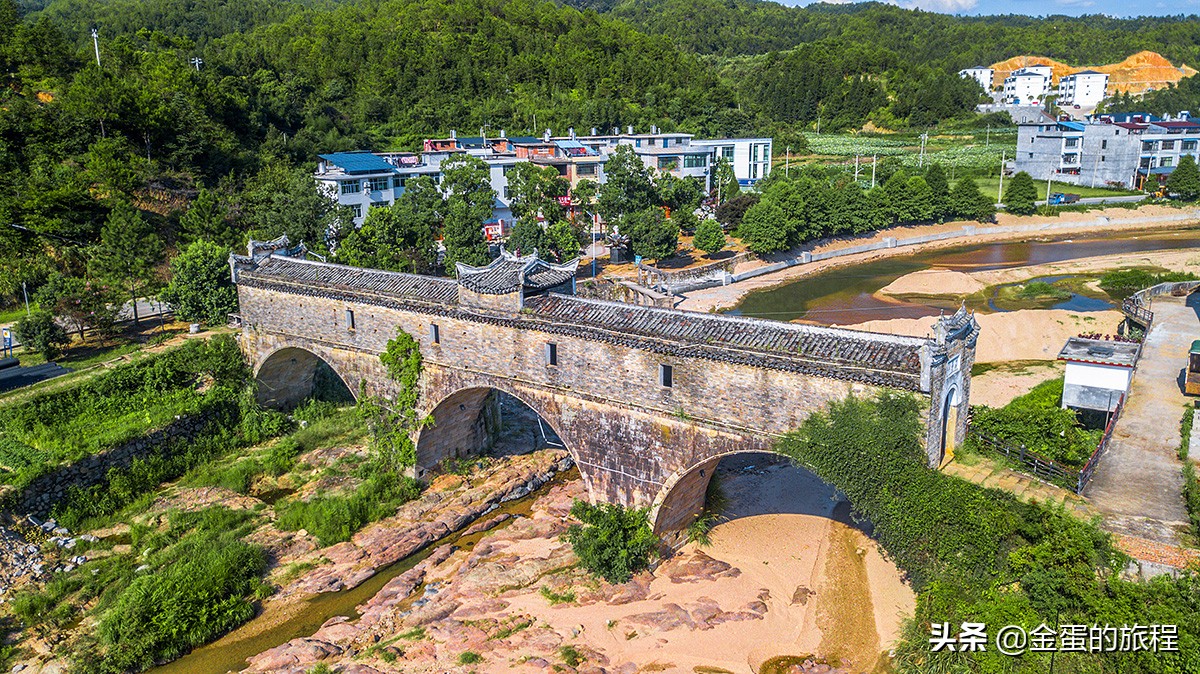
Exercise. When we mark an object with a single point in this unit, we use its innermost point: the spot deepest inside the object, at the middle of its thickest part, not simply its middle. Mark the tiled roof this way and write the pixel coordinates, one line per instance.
(829, 347)
(428, 288)
(508, 273)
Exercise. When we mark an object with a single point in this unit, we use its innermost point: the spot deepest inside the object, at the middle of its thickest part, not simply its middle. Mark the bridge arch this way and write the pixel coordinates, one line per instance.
(466, 421)
(287, 375)
(682, 496)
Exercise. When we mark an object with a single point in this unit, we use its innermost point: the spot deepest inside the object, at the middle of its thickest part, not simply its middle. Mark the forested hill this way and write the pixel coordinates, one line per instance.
(735, 27)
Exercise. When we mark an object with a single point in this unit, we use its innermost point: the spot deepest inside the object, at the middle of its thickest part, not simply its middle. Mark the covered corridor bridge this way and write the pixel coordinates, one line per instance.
(646, 399)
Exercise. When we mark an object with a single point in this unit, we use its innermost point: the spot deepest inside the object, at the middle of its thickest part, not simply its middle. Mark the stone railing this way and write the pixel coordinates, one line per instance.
(672, 282)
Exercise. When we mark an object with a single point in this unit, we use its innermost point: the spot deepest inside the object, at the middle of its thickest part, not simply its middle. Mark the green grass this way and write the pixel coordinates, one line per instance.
(469, 658)
(556, 598)
(990, 185)
(335, 518)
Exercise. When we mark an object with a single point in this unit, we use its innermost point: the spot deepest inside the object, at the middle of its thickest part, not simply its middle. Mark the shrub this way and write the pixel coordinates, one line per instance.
(201, 289)
(613, 542)
(41, 333)
(1036, 421)
(333, 519)
(710, 238)
(571, 655)
(469, 658)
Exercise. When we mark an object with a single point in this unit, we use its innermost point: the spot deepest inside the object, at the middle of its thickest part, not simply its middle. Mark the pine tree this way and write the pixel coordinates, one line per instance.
(1020, 197)
(128, 251)
(939, 192)
(1184, 181)
(968, 203)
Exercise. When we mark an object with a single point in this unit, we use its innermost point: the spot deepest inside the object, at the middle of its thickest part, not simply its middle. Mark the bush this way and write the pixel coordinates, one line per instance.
(1125, 282)
(613, 542)
(41, 333)
(1037, 421)
(709, 237)
(201, 289)
(333, 519)
(469, 658)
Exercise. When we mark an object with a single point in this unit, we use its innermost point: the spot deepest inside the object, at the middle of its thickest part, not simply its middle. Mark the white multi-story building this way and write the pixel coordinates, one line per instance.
(981, 74)
(1027, 86)
(1084, 88)
(1119, 150)
(364, 180)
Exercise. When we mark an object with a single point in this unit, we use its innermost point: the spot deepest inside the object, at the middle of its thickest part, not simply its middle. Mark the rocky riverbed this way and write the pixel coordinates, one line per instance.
(510, 596)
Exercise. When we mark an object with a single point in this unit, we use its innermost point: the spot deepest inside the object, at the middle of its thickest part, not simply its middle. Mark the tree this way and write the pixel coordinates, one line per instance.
(561, 241)
(710, 238)
(939, 191)
(207, 218)
(725, 185)
(919, 202)
(282, 200)
(201, 289)
(627, 188)
(652, 235)
(534, 192)
(679, 194)
(400, 237)
(526, 236)
(86, 304)
(612, 542)
(40, 332)
(1184, 181)
(968, 202)
(764, 228)
(731, 212)
(1020, 197)
(469, 202)
(129, 249)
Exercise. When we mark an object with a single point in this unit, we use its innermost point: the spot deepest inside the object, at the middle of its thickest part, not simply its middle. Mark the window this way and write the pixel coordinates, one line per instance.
(1188, 145)
(551, 353)
(666, 375)
(585, 170)
(399, 182)
(651, 141)
(695, 161)
(349, 186)
(1166, 161)
(350, 319)
(377, 184)
(1103, 159)
(754, 153)
(1147, 146)
(1031, 155)
(666, 142)
(668, 163)
(727, 152)
(357, 210)
(1168, 145)
(435, 335)
(1072, 142)
(637, 142)
(1104, 145)
(507, 192)
(754, 171)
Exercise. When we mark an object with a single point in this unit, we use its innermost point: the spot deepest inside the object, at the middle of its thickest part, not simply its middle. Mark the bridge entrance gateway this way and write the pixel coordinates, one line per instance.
(646, 399)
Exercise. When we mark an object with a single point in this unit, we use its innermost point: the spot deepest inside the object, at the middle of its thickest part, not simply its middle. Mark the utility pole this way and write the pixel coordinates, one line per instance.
(25, 292)
(787, 163)
(856, 168)
(96, 45)
(874, 162)
(196, 61)
(818, 123)
(988, 138)
(1000, 191)
(921, 160)
(1049, 174)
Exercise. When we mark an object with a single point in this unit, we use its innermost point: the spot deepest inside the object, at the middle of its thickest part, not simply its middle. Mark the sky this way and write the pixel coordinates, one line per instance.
(1121, 8)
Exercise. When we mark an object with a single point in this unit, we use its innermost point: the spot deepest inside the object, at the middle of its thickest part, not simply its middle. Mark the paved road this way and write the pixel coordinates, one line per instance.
(1137, 486)
(1112, 200)
(16, 377)
(147, 308)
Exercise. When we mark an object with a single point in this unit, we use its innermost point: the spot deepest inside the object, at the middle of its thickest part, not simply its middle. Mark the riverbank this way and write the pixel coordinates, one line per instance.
(1107, 221)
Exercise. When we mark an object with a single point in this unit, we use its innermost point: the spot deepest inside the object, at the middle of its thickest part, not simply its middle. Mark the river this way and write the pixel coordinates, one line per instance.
(846, 295)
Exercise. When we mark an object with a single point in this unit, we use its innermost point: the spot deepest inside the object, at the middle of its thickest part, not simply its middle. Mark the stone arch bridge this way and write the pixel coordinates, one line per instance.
(646, 399)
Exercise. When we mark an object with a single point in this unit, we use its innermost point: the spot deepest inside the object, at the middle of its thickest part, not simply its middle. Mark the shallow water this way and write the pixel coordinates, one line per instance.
(846, 295)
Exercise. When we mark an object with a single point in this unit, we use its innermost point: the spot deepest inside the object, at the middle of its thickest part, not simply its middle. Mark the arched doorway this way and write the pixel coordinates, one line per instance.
(483, 420)
(949, 427)
(292, 375)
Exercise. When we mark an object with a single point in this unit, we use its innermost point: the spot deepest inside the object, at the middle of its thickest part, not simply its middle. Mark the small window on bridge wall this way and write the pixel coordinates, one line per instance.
(350, 319)
(551, 353)
(435, 334)
(666, 376)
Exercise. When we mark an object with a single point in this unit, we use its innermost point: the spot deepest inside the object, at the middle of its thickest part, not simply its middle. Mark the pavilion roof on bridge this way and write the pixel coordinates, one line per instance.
(509, 273)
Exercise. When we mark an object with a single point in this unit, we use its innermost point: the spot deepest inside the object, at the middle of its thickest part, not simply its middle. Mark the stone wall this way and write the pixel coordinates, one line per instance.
(40, 495)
